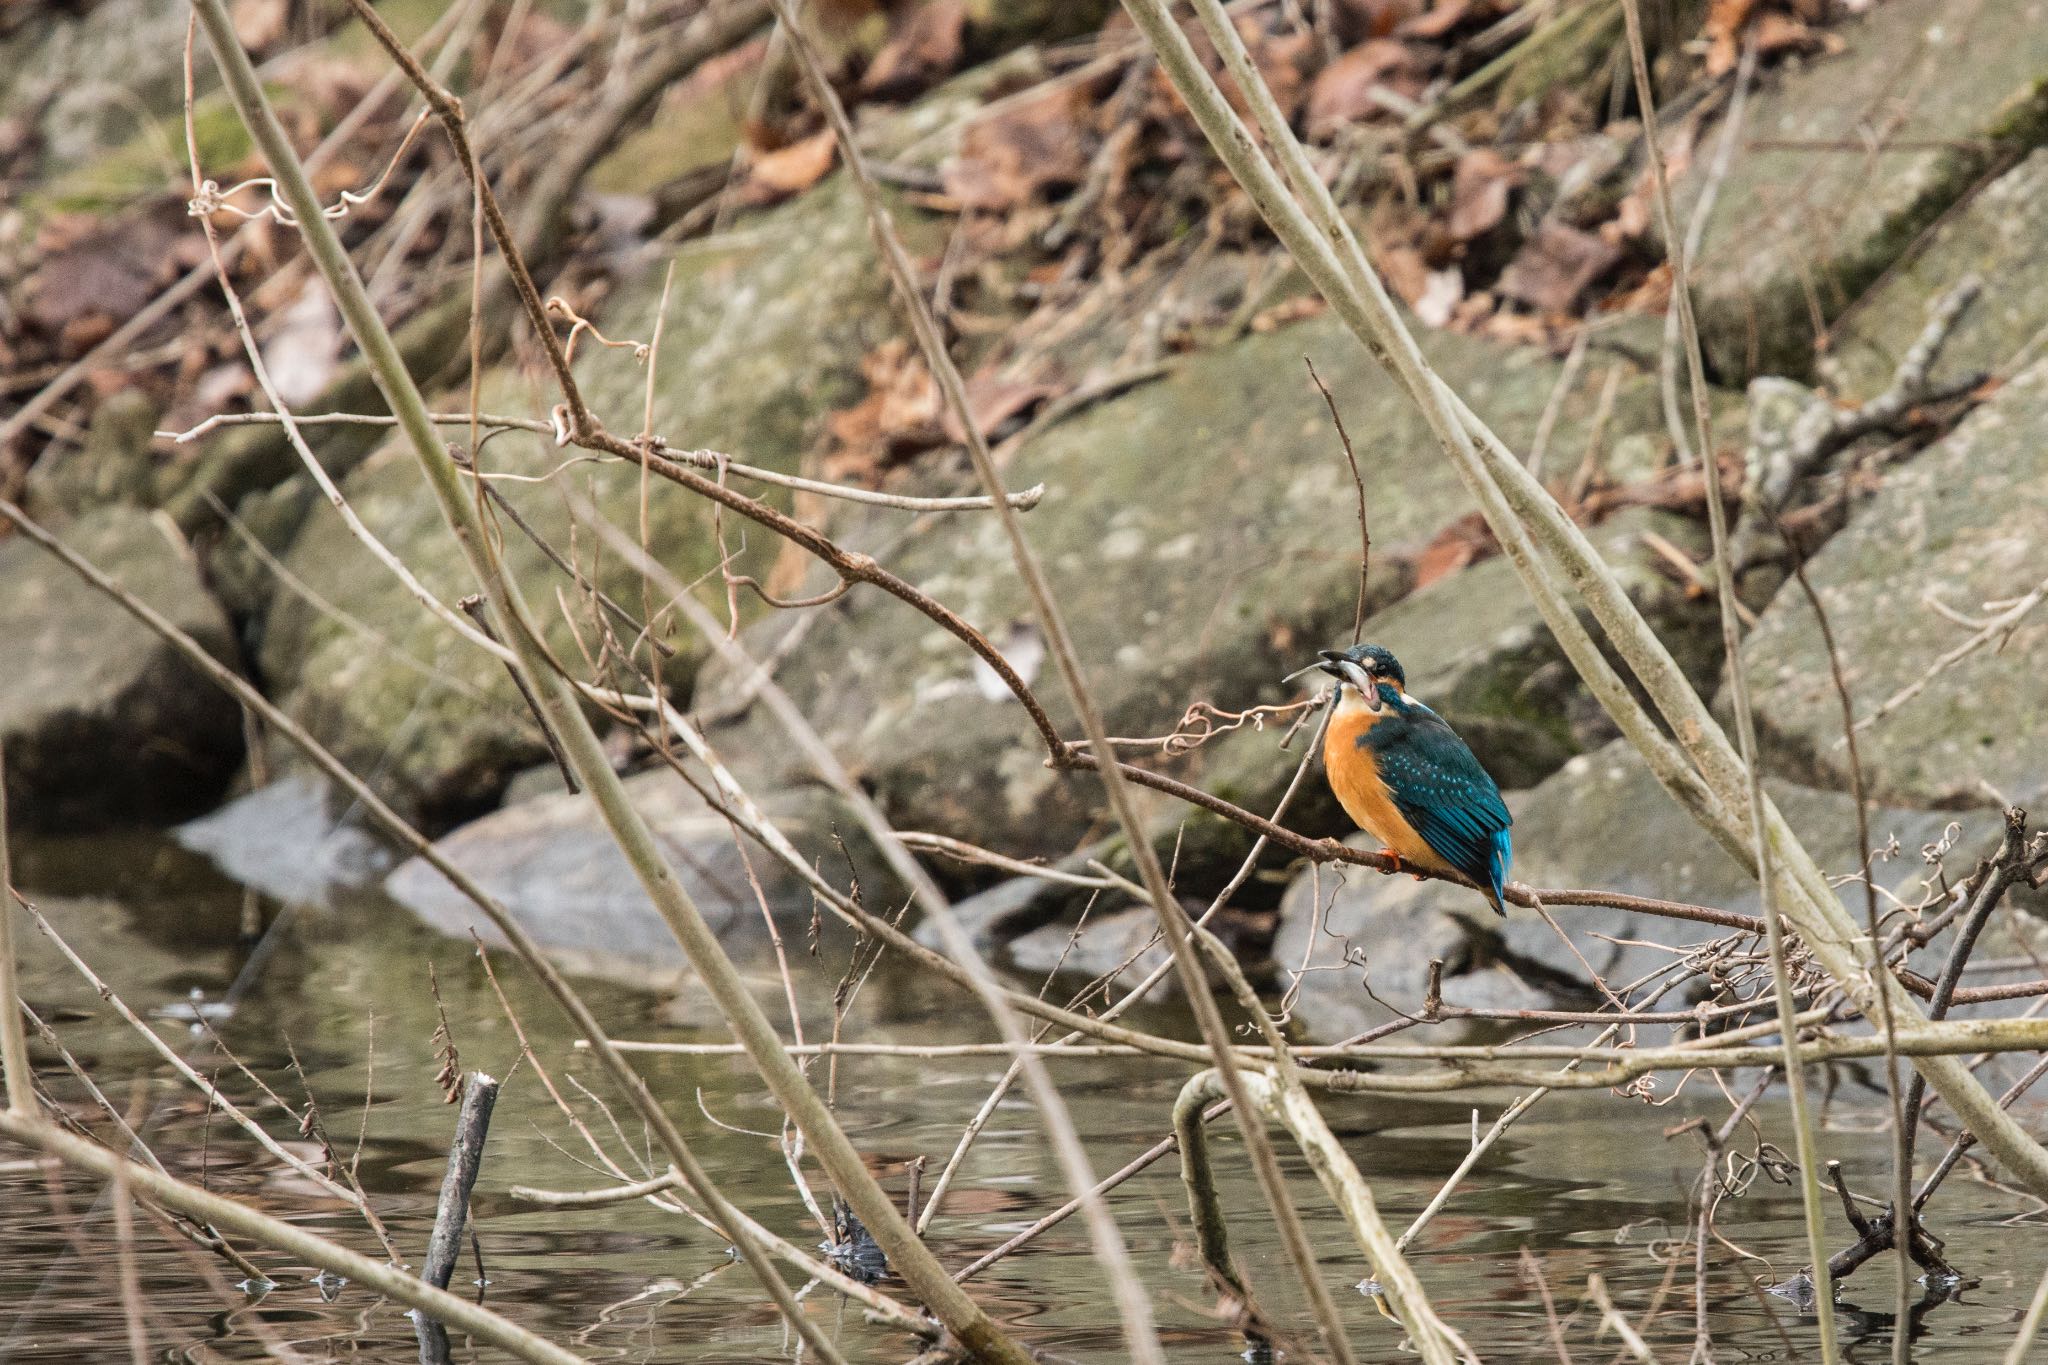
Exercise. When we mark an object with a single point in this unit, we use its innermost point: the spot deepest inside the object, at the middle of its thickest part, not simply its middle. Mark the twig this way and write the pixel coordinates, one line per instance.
(2030, 1326)
(703, 459)
(1553, 406)
(1478, 1149)
(473, 607)
(2008, 865)
(1534, 1271)
(1998, 626)
(1695, 236)
(1772, 473)
(594, 1199)
(1761, 850)
(1358, 483)
(576, 576)
(205, 1087)
(21, 1084)
(1212, 1235)
(1966, 1139)
(125, 1272)
(1611, 1320)
(970, 853)
(1290, 1106)
(290, 1238)
(1902, 1157)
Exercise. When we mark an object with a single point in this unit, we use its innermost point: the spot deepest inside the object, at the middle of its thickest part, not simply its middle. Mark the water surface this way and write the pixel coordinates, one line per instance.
(1588, 1183)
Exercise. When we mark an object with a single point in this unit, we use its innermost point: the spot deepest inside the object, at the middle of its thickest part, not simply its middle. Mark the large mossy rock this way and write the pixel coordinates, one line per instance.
(102, 723)
(554, 866)
(764, 336)
(112, 466)
(59, 69)
(1201, 534)
(1851, 158)
(1601, 822)
(1961, 524)
(1997, 237)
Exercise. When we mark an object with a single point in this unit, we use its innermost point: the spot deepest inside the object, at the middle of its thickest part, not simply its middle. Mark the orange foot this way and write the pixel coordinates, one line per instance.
(1396, 859)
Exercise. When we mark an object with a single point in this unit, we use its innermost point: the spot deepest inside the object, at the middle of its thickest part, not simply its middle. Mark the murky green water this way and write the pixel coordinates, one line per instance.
(1587, 1183)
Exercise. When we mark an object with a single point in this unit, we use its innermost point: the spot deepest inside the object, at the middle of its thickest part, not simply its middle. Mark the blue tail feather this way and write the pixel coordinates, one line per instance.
(1503, 853)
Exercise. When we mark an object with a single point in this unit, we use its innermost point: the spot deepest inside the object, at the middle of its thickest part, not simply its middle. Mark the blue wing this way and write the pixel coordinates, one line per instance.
(1451, 801)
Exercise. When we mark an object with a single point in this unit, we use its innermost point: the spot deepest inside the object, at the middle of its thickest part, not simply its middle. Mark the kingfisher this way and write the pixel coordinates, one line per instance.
(1401, 772)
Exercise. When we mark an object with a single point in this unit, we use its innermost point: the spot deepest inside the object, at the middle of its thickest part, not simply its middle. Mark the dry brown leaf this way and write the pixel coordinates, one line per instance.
(926, 47)
(1361, 19)
(94, 269)
(1007, 159)
(259, 24)
(899, 416)
(1723, 31)
(1777, 33)
(775, 176)
(1556, 266)
(1480, 187)
(1282, 59)
(1288, 312)
(1342, 93)
(1463, 542)
(1407, 273)
(1443, 16)
(1472, 313)
(995, 402)
(1517, 329)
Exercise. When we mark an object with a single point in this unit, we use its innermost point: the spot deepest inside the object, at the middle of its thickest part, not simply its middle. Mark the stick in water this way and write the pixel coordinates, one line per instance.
(465, 1158)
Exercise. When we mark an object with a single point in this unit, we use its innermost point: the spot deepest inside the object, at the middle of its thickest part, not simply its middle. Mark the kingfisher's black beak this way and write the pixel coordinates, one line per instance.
(1345, 670)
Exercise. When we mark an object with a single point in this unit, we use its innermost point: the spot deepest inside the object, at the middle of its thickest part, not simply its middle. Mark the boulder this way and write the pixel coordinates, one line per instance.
(1996, 235)
(60, 66)
(765, 333)
(1014, 907)
(113, 466)
(1477, 653)
(1353, 951)
(1123, 945)
(1853, 156)
(1961, 524)
(1118, 945)
(1201, 534)
(553, 864)
(1601, 821)
(288, 840)
(102, 723)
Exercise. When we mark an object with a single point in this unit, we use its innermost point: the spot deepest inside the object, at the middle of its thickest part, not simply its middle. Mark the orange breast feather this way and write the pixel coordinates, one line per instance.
(1355, 778)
